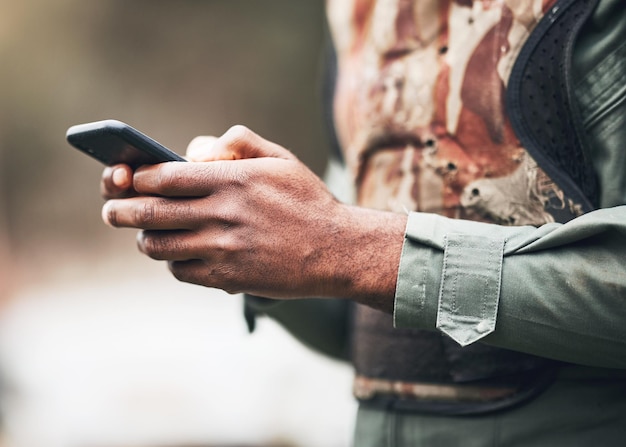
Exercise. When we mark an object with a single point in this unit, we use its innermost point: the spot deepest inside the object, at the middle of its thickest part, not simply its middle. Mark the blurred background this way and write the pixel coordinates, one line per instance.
(100, 346)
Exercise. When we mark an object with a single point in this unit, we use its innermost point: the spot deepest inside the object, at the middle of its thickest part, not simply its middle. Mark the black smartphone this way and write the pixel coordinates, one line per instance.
(112, 142)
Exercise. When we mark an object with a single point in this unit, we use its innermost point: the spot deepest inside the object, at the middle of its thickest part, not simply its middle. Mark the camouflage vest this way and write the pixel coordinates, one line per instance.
(462, 108)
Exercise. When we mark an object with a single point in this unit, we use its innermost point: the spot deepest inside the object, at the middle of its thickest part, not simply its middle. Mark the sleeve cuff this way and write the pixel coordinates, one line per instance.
(449, 277)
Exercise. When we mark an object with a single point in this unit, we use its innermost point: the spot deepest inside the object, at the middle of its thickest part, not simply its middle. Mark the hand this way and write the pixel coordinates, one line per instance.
(257, 220)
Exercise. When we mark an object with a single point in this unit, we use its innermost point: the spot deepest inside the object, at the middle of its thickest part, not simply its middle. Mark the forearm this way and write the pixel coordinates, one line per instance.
(560, 290)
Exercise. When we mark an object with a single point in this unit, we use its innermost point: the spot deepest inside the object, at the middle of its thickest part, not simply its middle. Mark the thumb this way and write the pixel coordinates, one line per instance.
(240, 142)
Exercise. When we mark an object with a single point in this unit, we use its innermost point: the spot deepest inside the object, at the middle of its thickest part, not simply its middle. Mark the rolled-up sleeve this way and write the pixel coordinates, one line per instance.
(557, 291)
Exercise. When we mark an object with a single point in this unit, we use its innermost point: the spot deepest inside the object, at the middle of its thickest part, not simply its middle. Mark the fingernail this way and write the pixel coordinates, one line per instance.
(140, 245)
(120, 178)
(106, 213)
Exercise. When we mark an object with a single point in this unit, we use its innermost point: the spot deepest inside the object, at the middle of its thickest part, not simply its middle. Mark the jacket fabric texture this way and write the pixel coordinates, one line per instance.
(551, 318)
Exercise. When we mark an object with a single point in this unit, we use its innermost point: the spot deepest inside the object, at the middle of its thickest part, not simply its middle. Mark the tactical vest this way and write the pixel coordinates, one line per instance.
(398, 368)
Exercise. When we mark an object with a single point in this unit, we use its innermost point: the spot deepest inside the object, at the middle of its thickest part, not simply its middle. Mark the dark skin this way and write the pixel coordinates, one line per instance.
(245, 215)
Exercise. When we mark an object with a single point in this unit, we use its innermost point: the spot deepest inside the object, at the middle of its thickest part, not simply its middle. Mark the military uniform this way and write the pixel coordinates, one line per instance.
(499, 126)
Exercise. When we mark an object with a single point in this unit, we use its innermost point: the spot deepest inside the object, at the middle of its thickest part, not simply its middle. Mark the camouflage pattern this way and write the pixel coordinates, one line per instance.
(420, 108)
(421, 118)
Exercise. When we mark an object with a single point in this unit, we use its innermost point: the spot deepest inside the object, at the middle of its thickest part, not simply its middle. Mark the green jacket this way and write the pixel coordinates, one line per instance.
(558, 291)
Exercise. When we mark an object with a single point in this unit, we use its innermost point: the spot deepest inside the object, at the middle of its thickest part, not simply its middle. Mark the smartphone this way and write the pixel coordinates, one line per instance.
(113, 142)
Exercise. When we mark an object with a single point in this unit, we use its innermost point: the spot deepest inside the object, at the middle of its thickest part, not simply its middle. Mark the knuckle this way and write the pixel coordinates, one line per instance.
(227, 245)
(207, 274)
(187, 271)
(146, 214)
(223, 277)
(239, 135)
(239, 131)
(159, 245)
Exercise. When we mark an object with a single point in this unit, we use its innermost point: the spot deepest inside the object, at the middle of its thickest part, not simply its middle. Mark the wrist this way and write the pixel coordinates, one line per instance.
(367, 257)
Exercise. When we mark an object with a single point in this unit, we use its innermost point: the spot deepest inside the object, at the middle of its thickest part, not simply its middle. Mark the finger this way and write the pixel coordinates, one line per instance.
(172, 245)
(202, 148)
(244, 143)
(193, 271)
(198, 179)
(204, 273)
(188, 179)
(153, 213)
(116, 182)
